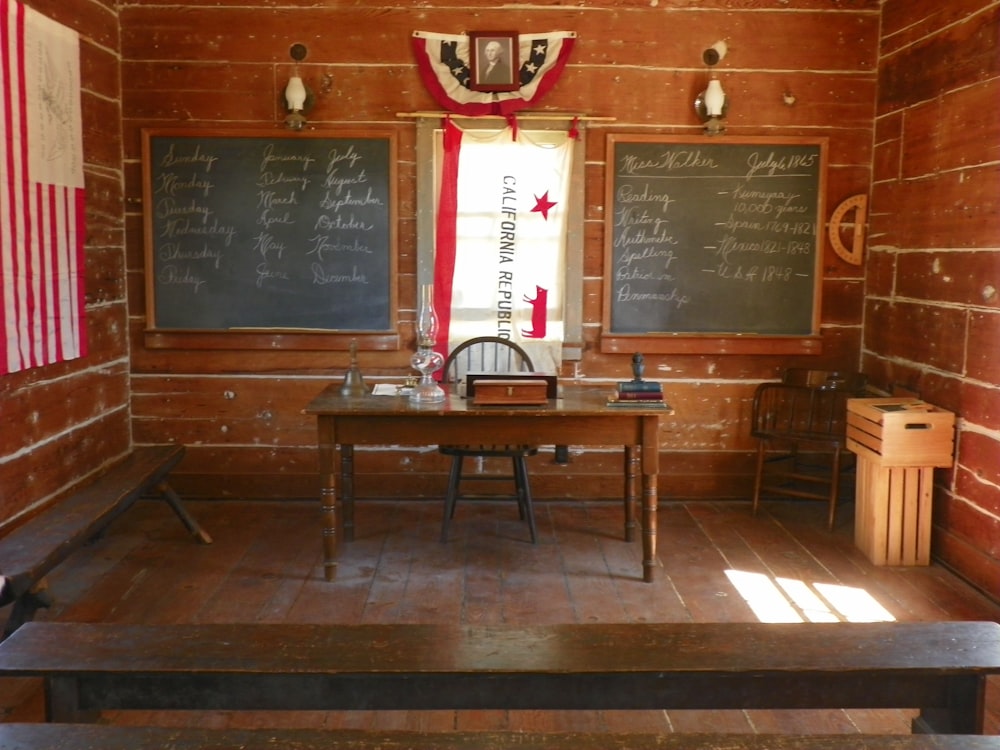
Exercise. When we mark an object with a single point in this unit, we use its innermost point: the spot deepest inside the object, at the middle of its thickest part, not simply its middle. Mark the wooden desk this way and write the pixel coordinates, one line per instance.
(580, 417)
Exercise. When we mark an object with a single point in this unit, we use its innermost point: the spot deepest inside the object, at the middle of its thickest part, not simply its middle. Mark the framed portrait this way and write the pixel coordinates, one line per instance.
(494, 65)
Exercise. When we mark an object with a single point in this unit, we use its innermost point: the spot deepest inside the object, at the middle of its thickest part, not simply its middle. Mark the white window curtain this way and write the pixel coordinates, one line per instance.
(501, 218)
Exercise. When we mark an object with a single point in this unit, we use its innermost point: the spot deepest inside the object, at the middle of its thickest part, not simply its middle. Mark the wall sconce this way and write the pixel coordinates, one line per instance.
(711, 104)
(295, 100)
(298, 98)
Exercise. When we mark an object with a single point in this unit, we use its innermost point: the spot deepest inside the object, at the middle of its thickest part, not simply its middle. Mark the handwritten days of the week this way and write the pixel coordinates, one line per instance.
(333, 200)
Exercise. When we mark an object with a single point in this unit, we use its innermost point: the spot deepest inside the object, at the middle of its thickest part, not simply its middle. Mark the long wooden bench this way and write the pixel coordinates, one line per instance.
(34, 548)
(938, 668)
(105, 737)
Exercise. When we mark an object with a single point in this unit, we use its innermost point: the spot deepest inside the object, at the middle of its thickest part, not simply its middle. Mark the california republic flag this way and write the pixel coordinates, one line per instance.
(41, 191)
(499, 261)
(443, 61)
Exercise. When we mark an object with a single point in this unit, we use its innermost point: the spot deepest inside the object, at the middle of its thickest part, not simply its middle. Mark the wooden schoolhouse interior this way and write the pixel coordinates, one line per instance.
(886, 109)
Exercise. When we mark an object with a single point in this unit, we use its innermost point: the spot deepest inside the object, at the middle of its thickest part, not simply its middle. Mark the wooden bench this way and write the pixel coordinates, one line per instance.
(938, 668)
(34, 548)
(105, 737)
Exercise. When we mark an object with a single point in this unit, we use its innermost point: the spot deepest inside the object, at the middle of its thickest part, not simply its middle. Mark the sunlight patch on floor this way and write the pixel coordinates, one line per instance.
(792, 600)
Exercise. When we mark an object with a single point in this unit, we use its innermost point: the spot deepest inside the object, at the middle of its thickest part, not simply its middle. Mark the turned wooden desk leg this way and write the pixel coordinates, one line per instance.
(328, 494)
(347, 491)
(630, 490)
(650, 469)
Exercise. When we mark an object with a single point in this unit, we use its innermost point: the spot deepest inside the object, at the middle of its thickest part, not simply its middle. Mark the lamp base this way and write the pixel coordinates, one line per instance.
(426, 361)
(427, 392)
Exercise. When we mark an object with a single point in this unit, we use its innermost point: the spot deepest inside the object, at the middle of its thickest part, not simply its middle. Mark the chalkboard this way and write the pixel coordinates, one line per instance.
(268, 230)
(713, 236)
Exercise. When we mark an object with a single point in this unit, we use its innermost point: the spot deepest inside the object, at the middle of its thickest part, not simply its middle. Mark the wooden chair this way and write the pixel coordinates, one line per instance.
(803, 417)
(487, 354)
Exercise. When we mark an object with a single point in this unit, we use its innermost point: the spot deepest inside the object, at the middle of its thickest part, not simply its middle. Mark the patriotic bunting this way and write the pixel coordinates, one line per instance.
(443, 62)
(41, 191)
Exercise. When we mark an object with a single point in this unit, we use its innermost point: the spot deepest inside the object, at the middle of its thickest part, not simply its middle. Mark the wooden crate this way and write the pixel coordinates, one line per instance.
(898, 442)
(892, 516)
(900, 431)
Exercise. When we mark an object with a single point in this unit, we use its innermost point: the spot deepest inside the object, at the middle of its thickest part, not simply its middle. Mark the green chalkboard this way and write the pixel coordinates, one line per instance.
(269, 230)
(713, 236)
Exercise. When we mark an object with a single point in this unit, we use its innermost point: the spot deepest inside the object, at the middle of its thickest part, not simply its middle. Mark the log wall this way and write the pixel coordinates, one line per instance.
(932, 306)
(904, 89)
(66, 421)
(188, 64)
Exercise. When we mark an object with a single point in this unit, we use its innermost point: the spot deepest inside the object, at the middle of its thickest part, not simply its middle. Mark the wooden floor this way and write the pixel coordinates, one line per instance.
(719, 564)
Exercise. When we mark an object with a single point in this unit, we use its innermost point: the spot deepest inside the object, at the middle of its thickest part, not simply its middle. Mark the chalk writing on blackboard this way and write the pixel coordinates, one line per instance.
(713, 237)
(269, 231)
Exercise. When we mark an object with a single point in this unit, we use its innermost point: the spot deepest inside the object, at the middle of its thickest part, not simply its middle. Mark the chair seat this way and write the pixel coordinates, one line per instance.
(502, 451)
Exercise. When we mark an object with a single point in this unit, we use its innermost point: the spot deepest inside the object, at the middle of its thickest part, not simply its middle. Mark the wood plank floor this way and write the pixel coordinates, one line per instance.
(719, 564)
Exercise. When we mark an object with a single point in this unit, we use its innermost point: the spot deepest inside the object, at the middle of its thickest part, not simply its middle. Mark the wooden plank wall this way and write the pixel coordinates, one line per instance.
(63, 422)
(195, 64)
(904, 89)
(932, 308)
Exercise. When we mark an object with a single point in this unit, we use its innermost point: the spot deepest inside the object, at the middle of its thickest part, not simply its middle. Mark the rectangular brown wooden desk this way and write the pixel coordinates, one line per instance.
(579, 417)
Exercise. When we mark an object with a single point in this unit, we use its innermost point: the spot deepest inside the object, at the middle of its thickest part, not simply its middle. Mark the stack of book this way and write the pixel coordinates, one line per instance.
(640, 393)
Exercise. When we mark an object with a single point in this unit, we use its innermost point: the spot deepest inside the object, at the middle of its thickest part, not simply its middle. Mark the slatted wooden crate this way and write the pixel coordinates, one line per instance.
(900, 431)
(898, 443)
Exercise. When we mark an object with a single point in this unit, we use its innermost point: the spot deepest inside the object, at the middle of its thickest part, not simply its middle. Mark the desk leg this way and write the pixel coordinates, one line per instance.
(347, 490)
(630, 493)
(328, 493)
(650, 468)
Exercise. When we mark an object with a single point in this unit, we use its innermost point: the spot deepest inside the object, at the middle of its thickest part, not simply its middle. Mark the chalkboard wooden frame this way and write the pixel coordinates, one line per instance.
(365, 158)
(680, 253)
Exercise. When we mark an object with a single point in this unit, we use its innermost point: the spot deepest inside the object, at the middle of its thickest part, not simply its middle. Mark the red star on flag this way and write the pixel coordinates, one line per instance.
(543, 204)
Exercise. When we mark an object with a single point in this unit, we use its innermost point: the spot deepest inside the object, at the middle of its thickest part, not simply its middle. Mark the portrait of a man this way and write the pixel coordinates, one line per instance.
(494, 61)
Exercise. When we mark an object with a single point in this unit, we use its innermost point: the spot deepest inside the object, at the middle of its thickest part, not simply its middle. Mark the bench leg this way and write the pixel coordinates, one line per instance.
(964, 713)
(174, 500)
(62, 702)
(26, 604)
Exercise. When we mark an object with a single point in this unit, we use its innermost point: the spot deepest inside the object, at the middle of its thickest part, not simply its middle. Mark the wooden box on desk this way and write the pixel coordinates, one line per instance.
(898, 443)
(475, 381)
(511, 391)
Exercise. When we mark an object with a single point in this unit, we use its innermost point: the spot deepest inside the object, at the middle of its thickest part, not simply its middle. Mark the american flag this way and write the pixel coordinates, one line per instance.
(41, 191)
(443, 62)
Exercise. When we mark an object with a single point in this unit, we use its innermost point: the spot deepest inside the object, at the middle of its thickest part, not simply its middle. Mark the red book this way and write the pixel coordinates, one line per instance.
(640, 396)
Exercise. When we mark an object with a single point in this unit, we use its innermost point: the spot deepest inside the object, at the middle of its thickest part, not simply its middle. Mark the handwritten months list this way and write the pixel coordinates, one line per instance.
(308, 212)
(756, 225)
